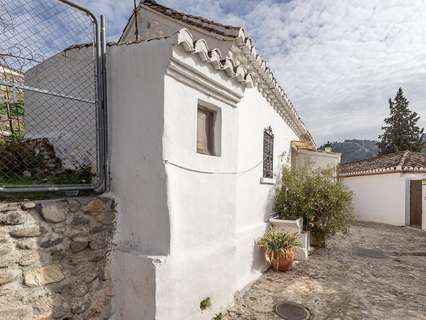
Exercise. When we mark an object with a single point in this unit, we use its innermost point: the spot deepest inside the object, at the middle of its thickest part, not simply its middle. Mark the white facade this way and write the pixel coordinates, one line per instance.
(69, 123)
(384, 198)
(185, 235)
(315, 160)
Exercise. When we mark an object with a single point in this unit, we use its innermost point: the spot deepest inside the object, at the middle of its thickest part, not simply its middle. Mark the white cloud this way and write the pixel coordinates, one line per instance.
(339, 61)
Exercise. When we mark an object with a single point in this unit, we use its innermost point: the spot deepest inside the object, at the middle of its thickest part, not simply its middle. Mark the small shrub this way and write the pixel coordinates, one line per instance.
(205, 303)
(275, 242)
(322, 201)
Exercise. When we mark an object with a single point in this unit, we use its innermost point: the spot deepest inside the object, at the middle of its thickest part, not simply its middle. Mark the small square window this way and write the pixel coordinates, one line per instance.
(208, 129)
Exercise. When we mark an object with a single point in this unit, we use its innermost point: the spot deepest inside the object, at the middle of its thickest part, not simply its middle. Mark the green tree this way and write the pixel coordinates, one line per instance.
(400, 132)
(322, 200)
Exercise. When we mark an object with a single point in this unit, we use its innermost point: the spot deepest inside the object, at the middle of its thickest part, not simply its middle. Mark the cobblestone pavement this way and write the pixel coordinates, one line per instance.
(374, 272)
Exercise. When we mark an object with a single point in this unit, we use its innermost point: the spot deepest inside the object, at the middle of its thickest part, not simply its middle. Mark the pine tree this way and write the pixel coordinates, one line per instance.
(400, 132)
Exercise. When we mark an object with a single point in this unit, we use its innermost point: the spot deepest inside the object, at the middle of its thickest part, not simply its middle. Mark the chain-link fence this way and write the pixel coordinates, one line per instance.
(51, 121)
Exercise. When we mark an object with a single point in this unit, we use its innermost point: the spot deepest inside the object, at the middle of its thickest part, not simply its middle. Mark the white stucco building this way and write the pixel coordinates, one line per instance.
(388, 189)
(69, 123)
(199, 132)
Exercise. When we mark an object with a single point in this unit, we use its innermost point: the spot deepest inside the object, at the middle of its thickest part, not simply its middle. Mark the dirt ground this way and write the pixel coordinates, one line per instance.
(374, 272)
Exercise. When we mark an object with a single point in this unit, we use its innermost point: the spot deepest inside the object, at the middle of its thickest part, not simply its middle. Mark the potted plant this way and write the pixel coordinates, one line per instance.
(279, 248)
(318, 197)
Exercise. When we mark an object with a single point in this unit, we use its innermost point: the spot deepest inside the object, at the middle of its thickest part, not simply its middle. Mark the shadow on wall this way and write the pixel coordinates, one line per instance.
(259, 262)
(54, 259)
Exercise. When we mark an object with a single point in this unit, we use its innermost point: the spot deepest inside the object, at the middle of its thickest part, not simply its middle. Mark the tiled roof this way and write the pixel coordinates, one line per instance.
(214, 57)
(196, 21)
(404, 161)
(260, 74)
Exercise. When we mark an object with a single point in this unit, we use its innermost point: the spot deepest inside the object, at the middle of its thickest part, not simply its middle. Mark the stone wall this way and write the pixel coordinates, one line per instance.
(54, 259)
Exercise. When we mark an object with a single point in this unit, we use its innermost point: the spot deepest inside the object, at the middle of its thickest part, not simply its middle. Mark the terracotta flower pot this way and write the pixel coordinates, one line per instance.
(283, 261)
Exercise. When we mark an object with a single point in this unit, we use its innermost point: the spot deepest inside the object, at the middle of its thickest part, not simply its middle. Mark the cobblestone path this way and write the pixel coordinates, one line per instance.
(374, 272)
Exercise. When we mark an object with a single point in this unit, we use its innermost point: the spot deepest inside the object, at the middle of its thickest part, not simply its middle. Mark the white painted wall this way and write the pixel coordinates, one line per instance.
(215, 218)
(255, 200)
(202, 206)
(209, 221)
(68, 124)
(382, 198)
(316, 160)
(136, 100)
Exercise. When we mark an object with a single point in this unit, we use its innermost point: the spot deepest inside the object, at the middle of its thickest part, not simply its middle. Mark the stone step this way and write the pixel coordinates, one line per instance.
(305, 240)
(302, 251)
(292, 226)
(301, 254)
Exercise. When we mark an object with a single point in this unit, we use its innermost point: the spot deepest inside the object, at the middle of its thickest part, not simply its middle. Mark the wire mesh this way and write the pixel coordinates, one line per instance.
(49, 80)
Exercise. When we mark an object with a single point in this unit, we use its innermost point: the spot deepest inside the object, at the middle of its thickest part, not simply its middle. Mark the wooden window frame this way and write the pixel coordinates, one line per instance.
(213, 133)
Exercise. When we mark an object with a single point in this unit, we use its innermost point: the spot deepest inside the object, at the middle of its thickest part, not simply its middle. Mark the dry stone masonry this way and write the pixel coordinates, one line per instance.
(54, 259)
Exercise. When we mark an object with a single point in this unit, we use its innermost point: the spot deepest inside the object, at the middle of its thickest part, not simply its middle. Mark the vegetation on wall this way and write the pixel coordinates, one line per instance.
(322, 201)
(16, 109)
(22, 162)
(205, 303)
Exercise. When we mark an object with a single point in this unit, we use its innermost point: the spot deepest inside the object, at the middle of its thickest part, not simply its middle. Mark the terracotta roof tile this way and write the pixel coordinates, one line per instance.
(415, 160)
(404, 161)
(196, 21)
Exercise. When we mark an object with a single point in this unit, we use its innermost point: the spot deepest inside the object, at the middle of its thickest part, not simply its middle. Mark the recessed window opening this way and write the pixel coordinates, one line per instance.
(208, 130)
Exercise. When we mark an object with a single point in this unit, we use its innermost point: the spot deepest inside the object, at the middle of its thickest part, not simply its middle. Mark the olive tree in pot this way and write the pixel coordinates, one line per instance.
(318, 197)
(279, 247)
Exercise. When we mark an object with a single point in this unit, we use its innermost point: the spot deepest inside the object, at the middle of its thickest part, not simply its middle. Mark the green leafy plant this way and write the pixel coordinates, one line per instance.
(16, 109)
(205, 303)
(401, 131)
(318, 197)
(275, 242)
(218, 316)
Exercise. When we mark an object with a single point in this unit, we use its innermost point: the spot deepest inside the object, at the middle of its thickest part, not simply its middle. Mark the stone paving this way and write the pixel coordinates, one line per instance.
(374, 272)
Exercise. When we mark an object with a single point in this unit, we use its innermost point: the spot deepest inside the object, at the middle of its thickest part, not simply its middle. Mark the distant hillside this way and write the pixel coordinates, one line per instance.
(356, 149)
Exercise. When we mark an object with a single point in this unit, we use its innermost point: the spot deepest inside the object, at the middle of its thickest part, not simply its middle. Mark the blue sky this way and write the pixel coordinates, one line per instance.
(339, 61)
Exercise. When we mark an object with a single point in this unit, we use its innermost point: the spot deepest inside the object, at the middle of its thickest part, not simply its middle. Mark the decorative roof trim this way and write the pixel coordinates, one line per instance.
(383, 171)
(214, 57)
(197, 80)
(270, 88)
(399, 166)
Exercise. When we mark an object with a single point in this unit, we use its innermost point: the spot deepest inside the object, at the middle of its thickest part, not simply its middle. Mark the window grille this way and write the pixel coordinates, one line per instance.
(268, 153)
